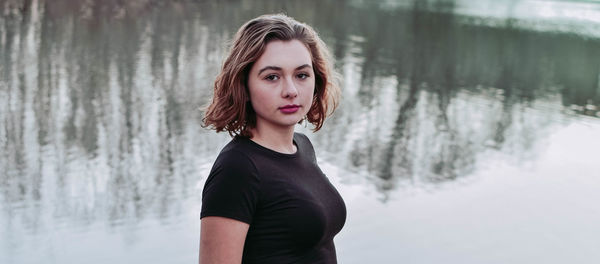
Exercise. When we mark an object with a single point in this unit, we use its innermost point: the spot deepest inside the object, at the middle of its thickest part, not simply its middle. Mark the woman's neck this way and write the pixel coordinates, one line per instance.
(280, 140)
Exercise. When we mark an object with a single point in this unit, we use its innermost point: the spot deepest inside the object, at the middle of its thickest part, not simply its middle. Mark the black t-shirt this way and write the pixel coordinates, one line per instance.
(293, 210)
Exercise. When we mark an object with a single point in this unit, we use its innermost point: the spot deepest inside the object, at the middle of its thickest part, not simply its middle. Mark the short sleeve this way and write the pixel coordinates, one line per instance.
(232, 189)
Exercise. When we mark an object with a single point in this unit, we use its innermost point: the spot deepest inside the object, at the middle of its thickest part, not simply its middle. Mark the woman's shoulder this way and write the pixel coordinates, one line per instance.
(304, 144)
(236, 151)
(301, 137)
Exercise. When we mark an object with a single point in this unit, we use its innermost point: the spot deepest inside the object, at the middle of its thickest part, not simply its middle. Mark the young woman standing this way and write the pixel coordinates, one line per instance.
(266, 200)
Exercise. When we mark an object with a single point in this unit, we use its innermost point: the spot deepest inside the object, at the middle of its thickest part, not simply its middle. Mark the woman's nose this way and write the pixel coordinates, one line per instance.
(289, 89)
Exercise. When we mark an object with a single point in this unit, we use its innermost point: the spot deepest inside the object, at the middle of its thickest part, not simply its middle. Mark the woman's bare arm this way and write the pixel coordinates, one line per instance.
(222, 240)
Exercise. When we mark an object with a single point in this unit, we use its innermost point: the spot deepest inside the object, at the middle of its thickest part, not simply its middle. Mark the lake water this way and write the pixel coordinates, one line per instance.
(468, 132)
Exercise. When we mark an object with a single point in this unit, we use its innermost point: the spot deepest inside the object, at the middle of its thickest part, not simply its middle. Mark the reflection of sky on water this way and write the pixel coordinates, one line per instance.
(553, 11)
(453, 139)
(580, 17)
(507, 211)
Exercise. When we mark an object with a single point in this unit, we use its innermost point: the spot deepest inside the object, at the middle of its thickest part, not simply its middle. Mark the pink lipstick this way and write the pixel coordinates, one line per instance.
(289, 109)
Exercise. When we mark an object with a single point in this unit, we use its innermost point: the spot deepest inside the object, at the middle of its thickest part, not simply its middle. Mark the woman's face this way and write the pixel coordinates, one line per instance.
(281, 84)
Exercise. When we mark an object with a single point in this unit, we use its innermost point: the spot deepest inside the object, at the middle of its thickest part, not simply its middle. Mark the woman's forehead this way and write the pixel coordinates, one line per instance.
(284, 54)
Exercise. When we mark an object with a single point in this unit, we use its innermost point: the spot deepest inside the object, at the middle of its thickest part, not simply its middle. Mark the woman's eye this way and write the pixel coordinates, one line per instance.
(272, 77)
(302, 76)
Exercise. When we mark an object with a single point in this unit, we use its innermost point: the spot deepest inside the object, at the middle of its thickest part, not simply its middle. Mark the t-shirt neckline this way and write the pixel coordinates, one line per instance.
(277, 153)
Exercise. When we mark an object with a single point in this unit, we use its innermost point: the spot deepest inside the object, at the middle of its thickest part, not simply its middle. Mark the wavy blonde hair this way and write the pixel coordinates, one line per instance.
(230, 109)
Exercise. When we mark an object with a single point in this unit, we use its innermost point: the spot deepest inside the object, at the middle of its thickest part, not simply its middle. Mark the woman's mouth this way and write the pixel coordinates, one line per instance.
(289, 109)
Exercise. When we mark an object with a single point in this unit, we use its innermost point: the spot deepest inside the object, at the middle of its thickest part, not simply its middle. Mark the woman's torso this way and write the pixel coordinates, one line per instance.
(294, 210)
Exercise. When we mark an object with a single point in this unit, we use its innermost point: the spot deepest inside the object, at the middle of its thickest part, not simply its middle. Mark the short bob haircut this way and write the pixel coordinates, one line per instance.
(231, 110)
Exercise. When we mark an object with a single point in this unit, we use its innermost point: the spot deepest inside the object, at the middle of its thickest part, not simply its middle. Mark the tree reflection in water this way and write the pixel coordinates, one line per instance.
(99, 99)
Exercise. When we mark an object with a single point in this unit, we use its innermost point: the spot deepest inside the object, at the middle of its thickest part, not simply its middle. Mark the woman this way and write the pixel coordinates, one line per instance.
(266, 199)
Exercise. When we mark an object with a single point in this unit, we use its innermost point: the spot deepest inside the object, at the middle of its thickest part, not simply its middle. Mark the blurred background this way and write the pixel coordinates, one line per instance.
(469, 131)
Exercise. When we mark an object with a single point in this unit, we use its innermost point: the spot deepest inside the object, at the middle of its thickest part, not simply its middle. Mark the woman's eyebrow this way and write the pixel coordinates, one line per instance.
(303, 66)
(275, 68)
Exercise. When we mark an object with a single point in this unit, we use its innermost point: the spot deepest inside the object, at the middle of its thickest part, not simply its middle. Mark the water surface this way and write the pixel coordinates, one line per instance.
(467, 133)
